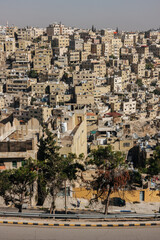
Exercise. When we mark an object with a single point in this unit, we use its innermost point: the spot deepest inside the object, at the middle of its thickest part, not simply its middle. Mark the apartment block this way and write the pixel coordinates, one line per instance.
(19, 85)
(129, 106)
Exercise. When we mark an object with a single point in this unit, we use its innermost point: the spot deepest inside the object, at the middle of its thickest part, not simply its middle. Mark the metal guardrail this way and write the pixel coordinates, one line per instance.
(78, 216)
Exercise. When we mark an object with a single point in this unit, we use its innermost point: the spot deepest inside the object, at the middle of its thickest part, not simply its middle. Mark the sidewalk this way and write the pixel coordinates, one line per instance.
(141, 207)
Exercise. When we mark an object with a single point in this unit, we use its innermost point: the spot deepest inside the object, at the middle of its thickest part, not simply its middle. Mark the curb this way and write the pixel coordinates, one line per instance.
(69, 209)
(80, 225)
(80, 209)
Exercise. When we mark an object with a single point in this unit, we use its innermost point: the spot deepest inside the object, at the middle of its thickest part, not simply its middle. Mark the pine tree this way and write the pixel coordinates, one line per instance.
(54, 168)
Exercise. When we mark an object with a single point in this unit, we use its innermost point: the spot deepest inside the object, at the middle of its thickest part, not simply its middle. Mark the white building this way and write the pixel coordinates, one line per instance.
(129, 106)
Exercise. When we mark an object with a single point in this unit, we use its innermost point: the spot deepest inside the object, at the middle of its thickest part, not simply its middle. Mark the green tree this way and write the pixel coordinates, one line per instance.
(54, 168)
(157, 91)
(16, 185)
(112, 56)
(154, 83)
(139, 82)
(135, 179)
(32, 74)
(36, 40)
(33, 100)
(149, 66)
(154, 163)
(110, 173)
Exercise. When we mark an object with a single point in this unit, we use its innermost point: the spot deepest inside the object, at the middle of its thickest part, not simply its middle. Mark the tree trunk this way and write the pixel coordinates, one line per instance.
(20, 208)
(107, 201)
(65, 197)
(52, 208)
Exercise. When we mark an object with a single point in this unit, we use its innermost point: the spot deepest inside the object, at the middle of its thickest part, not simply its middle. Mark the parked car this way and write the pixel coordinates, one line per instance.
(116, 201)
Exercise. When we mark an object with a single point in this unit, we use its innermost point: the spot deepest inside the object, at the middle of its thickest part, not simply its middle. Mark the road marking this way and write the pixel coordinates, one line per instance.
(148, 224)
(136, 224)
(66, 225)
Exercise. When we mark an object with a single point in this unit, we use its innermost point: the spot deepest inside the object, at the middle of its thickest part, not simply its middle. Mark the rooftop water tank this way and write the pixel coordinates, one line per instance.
(63, 127)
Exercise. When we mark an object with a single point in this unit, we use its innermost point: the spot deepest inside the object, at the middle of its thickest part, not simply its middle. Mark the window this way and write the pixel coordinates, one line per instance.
(126, 144)
(62, 192)
(14, 164)
(23, 163)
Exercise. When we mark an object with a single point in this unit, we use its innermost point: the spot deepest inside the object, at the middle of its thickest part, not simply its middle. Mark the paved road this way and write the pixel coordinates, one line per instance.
(11, 232)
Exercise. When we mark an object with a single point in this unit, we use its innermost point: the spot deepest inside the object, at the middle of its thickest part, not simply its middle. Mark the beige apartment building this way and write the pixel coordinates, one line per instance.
(87, 47)
(19, 84)
(56, 99)
(143, 50)
(60, 41)
(110, 99)
(25, 33)
(116, 106)
(2, 102)
(96, 49)
(73, 57)
(22, 56)
(62, 61)
(23, 44)
(125, 75)
(24, 100)
(43, 51)
(115, 45)
(42, 88)
(76, 44)
(106, 49)
(41, 63)
(10, 46)
(10, 31)
(128, 42)
(129, 106)
(108, 34)
(41, 113)
(1, 87)
(155, 48)
(133, 58)
(85, 99)
(84, 56)
(73, 138)
(139, 69)
(123, 145)
(83, 75)
(39, 89)
(84, 93)
(99, 68)
(42, 59)
(18, 142)
(57, 87)
(116, 84)
(2, 45)
(84, 87)
(58, 29)
(99, 91)
(2, 58)
(29, 33)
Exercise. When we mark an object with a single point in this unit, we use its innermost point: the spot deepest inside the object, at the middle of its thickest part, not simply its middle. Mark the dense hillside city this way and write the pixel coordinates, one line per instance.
(90, 88)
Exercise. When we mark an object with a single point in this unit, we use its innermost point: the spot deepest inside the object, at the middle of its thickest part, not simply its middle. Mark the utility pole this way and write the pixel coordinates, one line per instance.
(65, 197)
